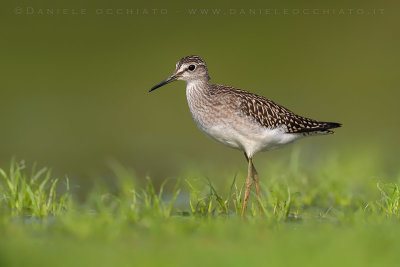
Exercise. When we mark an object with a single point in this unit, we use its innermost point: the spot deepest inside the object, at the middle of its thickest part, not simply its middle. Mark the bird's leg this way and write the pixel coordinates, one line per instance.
(255, 178)
(247, 186)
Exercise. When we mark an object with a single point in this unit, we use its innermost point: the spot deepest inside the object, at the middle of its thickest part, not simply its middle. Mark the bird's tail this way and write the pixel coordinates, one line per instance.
(322, 127)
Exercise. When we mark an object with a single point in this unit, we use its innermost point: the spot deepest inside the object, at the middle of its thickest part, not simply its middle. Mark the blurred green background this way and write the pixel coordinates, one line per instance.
(74, 88)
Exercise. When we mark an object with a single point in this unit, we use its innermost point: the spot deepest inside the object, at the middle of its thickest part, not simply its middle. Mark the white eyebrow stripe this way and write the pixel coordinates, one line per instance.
(183, 67)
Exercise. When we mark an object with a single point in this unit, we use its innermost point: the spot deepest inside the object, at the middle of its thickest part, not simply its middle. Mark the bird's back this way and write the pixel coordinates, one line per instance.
(267, 113)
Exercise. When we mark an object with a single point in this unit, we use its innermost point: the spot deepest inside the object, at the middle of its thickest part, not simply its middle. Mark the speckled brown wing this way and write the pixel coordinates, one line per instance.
(271, 115)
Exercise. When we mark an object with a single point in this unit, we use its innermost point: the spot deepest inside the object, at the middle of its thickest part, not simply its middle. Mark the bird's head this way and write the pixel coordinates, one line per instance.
(189, 69)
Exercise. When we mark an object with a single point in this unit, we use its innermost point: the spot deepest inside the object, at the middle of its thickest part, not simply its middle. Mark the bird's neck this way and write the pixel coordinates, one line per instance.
(197, 86)
(197, 91)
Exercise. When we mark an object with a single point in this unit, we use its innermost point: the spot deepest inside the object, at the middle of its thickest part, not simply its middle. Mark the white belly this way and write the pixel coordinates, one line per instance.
(244, 134)
(250, 140)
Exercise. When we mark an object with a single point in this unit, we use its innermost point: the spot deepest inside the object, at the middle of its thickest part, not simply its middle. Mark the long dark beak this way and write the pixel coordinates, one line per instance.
(168, 80)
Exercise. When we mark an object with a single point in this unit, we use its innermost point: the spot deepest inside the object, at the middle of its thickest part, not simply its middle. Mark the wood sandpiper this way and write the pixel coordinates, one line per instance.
(241, 119)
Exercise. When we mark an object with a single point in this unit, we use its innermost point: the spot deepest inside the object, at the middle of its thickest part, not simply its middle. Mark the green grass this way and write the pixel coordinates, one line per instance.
(31, 193)
(337, 212)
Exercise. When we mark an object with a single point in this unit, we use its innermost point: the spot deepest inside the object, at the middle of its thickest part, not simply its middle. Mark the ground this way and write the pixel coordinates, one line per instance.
(323, 215)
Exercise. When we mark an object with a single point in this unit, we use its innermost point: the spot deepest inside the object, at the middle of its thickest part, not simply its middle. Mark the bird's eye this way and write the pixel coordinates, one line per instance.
(192, 67)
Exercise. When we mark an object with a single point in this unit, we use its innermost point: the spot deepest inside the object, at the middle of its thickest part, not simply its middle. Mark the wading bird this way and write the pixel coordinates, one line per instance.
(241, 119)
